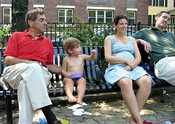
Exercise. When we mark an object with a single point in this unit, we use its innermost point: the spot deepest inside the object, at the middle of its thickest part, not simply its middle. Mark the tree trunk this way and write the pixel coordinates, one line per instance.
(19, 9)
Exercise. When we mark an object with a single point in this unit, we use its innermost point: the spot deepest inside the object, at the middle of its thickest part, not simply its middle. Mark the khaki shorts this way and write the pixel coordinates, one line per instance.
(165, 69)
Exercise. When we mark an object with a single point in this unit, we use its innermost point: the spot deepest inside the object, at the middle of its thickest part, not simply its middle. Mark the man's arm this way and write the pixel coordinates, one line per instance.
(10, 60)
(139, 36)
(54, 68)
(147, 46)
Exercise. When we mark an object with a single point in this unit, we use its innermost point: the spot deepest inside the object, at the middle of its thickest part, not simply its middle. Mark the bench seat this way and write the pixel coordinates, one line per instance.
(93, 73)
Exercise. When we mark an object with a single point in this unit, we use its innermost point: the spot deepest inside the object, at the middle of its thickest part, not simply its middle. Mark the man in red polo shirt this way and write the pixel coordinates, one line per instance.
(29, 56)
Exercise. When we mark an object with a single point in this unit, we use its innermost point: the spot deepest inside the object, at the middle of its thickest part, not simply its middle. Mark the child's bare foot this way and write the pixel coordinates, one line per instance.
(72, 99)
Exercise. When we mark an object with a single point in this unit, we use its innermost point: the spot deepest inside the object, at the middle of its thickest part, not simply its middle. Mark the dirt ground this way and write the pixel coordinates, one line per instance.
(158, 109)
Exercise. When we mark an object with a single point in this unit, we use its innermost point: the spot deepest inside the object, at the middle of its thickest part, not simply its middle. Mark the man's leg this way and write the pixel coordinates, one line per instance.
(32, 90)
(36, 80)
(25, 109)
(165, 69)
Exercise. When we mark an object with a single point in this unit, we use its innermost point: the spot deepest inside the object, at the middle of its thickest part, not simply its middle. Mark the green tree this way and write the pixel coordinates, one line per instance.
(19, 9)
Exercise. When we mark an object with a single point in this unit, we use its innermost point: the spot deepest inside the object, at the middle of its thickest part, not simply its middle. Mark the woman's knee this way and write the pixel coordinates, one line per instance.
(125, 83)
(145, 82)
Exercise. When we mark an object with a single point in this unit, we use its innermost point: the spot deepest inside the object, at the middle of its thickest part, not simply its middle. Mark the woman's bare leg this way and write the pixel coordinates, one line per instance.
(126, 86)
(144, 90)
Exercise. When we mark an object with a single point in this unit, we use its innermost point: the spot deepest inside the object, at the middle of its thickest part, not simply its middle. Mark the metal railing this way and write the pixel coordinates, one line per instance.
(56, 31)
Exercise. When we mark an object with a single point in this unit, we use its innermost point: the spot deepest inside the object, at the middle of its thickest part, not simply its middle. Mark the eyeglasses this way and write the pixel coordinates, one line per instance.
(165, 17)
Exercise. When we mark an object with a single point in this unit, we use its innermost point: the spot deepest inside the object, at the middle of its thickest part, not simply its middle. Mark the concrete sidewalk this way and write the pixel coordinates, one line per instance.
(109, 108)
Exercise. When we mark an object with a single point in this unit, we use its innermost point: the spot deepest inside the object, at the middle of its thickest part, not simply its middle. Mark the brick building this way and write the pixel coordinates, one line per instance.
(90, 11)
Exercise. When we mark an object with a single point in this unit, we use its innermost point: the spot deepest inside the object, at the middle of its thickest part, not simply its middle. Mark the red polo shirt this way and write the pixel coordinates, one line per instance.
(23, 46)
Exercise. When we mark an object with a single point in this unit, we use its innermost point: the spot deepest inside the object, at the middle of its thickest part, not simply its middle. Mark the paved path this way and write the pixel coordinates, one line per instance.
(158, 109)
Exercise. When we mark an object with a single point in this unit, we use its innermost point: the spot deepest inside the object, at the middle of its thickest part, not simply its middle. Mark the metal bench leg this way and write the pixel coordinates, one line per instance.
(9, 110)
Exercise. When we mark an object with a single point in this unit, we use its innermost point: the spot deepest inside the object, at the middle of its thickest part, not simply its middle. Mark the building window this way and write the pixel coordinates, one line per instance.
(100, 16)
(158, 3)
(150, 2)
(65, 16)
(172, 19)
(7, 15)
(131, 17)
(151, 19)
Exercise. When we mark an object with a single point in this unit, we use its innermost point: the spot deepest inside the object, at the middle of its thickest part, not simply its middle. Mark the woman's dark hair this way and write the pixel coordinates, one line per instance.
(118, 17)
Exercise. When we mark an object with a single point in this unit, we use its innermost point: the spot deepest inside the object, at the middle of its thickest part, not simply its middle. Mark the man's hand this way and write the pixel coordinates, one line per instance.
(147, 46)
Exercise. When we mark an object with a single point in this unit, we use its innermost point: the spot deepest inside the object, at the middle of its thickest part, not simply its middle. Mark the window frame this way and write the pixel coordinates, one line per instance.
(131, 18)
(9, 16)
(151, 19)
(66, 17)
(158, 2)
(103, 17)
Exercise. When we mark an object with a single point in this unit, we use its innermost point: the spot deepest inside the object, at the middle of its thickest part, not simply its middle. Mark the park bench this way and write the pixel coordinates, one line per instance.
(94, 71)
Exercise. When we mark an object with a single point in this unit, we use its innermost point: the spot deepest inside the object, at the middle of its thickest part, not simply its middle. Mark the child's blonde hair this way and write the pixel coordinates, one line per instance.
(70, 43)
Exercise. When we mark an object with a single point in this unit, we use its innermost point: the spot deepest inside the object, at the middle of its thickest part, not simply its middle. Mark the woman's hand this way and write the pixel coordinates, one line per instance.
(131, 64)
(128, 68)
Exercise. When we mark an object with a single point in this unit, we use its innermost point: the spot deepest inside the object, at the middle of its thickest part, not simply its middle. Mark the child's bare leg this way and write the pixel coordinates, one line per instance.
(69, 86)
(81, 88)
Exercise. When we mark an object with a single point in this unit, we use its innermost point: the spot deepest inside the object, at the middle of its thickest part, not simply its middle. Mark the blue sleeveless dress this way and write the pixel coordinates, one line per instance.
(115, 72)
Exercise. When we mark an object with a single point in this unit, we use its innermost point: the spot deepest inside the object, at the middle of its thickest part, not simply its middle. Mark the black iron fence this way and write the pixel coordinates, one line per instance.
(89, 34)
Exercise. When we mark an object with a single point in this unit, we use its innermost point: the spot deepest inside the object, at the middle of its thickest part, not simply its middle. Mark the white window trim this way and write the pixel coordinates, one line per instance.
(38, 6)
(67, 7)
(103, 8)
(132, 9)
(6, 5)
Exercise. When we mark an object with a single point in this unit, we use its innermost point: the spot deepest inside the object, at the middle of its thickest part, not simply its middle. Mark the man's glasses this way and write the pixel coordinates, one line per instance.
(166, 17)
